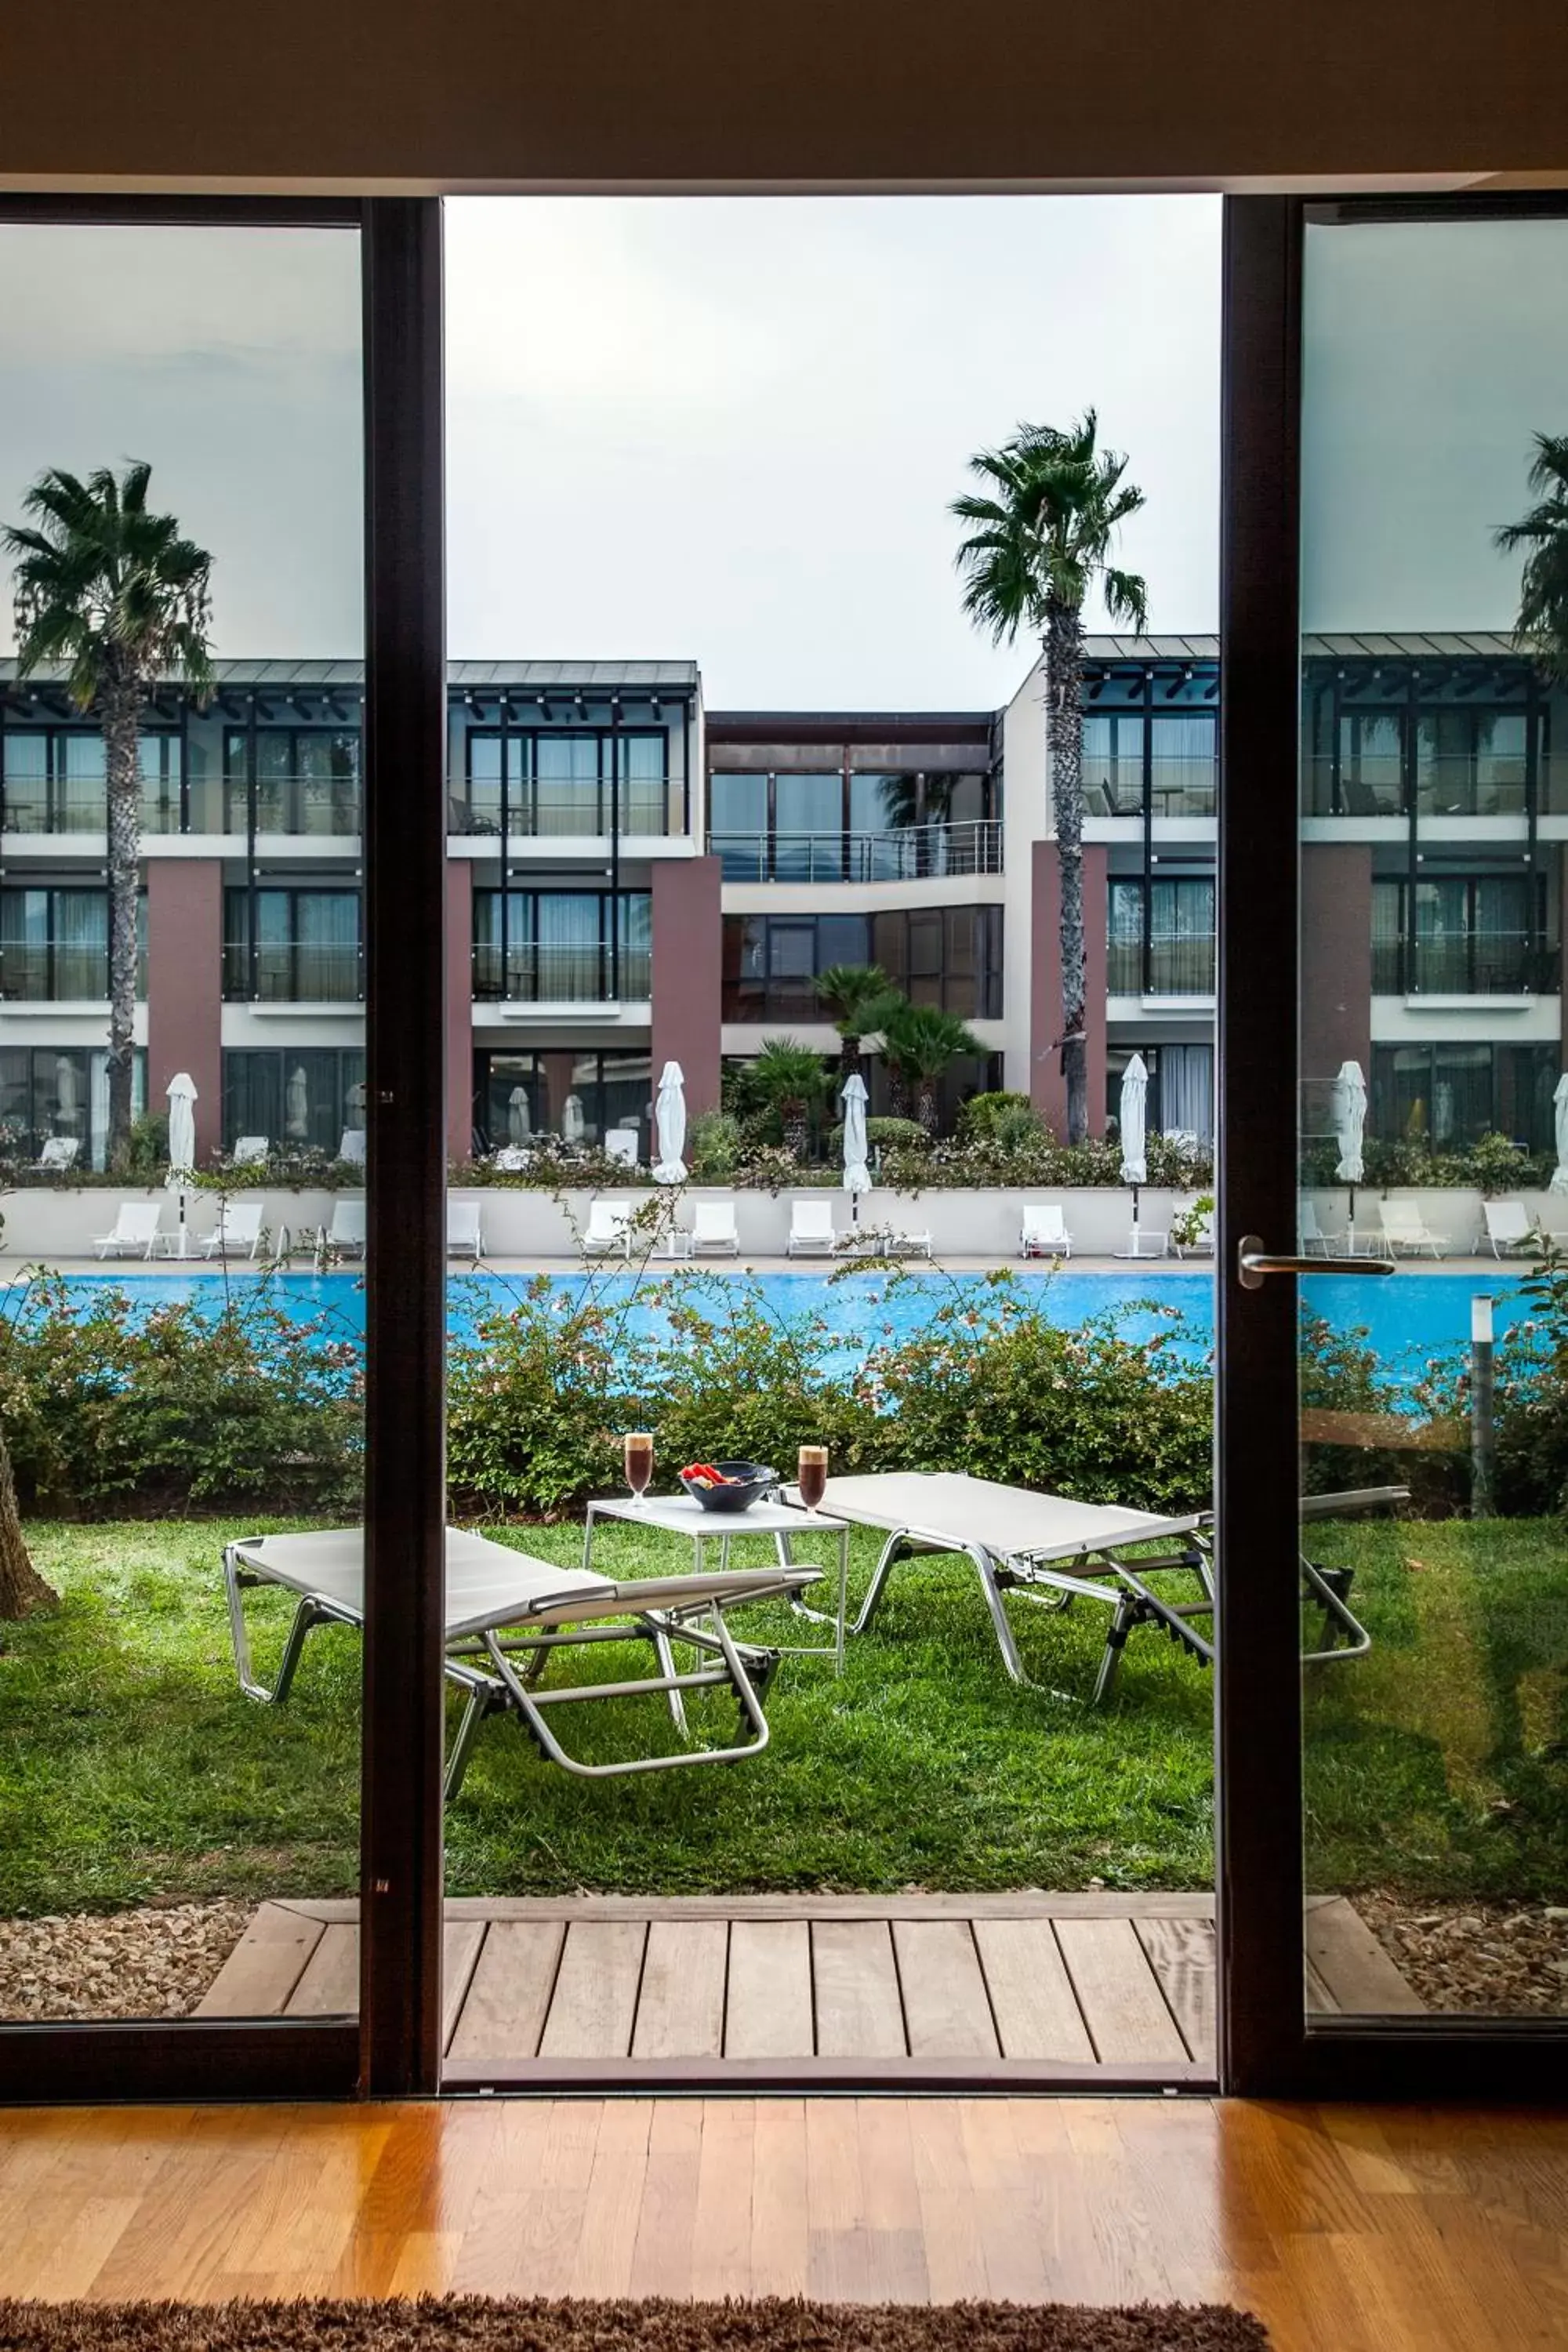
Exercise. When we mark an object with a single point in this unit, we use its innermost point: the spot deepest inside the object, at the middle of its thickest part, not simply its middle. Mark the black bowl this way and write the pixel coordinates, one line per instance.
(755, 1476)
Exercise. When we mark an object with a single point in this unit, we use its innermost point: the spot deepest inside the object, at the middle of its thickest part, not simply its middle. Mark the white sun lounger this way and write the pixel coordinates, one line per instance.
(1054, 1551)
(58, 1153)
(135, 1232)
(238, 1229)
(346, 1234)
(250, 1151)
(811, 1231)
(1044, 1232)
(713, 1229)
(608, 1231)
(1509, 1227)
(503, 1607)
(1404, 1228)
(464, 1237)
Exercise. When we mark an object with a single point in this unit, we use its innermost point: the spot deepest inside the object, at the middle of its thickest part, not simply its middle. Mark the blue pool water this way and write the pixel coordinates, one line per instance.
(1412, 1317)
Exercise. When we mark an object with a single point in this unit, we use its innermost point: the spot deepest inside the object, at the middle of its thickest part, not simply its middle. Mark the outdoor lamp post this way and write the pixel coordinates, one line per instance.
(1483, 1435)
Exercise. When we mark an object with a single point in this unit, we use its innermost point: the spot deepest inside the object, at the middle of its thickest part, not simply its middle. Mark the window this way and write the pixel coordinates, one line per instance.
(1180, 1101)
(1448, 1096)
(55, 780)
(588, 946)
(1372, 762)
(305, 948)
(1470, 762)
(1161, 936)
(54, 945)
(809, 823)
(1182, 764)
(307, 780)
(1113, 763)
(1474, 935)
(578, 1097)
(301, 1098)
(563, 781)
(61, 1090)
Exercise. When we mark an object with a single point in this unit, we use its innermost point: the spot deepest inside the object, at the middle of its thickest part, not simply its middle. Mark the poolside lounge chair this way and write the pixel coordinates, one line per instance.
(135, 1232)
(621, 1143)
(1044, 1232)
(1404, 1228)
(608, 1230)
(1509, 1227)
(715, 1231)
(507, 1615)
(239, 1228)
(353, 1145)
(58, 1153)
(346, 1234)
(1315, 1242)
(250, 1151)
(1054, 1551)
(464, 1237)
(811, 1232)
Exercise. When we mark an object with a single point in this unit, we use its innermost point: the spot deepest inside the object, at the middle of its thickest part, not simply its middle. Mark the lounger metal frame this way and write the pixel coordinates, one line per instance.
(485, 1667)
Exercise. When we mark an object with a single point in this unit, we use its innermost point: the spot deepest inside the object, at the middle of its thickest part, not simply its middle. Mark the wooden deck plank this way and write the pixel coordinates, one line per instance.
(858, 2012)
(1182, 1955)
(1031, 1997)
(1117, 1992)
(681, 2006)
(329, 1982)
(596, 1996)
(461, 1943)
(1026, 1902)
(1352, 1964)
(508, 1997)
(768, 2012)
(259, 1976)
(946, 2011)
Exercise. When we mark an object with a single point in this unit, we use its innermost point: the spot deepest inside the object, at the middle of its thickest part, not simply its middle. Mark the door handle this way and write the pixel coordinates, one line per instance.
(1254, 1264)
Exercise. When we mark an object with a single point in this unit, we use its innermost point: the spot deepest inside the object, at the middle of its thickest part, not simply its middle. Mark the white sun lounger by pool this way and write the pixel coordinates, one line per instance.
(1404, 1228)
(608, 1231)
(811, 1231)
(58, 1153)
(135, 1232)
(347, 1232)
(237, 1230)
(1509, 1227)
(464, 1237)
(1055, 1551)
(714, 1230)
(1044, 1232)
(507, 1615)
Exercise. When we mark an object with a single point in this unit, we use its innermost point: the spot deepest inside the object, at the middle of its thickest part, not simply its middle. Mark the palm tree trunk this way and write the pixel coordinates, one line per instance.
(121, 742)
(898, 1091)
(21, 1586)
(925, 1105)
(848, 1059)
(1064, 704)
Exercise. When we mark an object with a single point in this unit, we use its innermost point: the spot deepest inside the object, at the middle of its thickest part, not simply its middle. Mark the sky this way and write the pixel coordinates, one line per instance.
(725, 429)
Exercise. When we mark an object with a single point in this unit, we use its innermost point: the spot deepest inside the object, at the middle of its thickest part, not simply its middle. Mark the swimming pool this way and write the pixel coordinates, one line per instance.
(1418, 1314)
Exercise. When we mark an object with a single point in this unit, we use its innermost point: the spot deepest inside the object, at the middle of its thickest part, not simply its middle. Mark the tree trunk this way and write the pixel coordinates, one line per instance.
(796, 1129)
(21, 1586)
(898, 1092)
(848, 1059)
(120, 743)
(925, 1105)
(1064, 704)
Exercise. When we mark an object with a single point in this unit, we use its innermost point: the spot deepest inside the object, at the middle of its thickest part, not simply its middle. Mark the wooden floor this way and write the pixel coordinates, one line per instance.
(1356, 2229)
(731, 1991)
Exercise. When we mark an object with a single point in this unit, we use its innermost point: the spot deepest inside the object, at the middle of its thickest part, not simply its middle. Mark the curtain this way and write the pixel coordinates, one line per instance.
(1186, 1091)
(566, 785)
(568, 925)
(644, 804)
(81, 943)
(326, 946)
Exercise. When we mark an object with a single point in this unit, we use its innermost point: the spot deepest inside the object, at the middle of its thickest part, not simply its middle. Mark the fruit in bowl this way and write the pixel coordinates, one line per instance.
(727, 1485)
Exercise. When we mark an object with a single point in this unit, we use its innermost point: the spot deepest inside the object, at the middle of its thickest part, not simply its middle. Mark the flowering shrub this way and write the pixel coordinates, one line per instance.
(1531, 1402)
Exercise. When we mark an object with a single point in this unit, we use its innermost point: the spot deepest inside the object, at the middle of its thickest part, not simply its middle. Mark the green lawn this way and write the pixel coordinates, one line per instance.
(130, 1767)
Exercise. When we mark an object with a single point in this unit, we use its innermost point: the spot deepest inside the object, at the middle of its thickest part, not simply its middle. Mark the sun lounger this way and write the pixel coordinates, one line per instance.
(715, 1231)
(353, 1145)
(1404, 1228)
(59, 1154)
(250, 1151)
(238, 1229)
(1054, 1551)
(507, 1615)
(1044, 1232)
(1314, 1240)
(621, 1143)
(135, 1232)
(607, 1233)
(464, 1236)
(1508, 1227)
(811, 1232)
(346, 1234)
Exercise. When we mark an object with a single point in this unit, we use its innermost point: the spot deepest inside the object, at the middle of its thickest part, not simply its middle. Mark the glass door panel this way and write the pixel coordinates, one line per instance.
(1434, 1401)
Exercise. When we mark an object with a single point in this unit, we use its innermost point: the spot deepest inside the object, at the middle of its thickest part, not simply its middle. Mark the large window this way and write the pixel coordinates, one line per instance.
(1472, 934)
(1161, 938)
(1113, 762)
(582, 946)
(853, 825)
(301, 1098)
(53, 780)
(578, 1097)
(60, 1093)
(563, 781)
(54, 945)
(1448, 1096)
(1180, 1101)
(947, 956)
(294, 946)
(306, 779)
(1470, 762)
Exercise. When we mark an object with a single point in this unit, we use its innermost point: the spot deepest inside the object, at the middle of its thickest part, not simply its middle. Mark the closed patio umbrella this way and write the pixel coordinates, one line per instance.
(297, 1105)
(1560, 1123)
(182, 1091)
(517, 1122)
(572, 1122)
(1133, 1117)
(669, 1120)
(857, 1174)
(1350, 1127)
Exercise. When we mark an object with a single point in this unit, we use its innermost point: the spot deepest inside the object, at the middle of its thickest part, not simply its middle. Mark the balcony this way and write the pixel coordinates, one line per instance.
(915, 852)
(1177, 967)
(301, 973)
(1483, 964)
(531, 974)
(60, 975)
(651, 806)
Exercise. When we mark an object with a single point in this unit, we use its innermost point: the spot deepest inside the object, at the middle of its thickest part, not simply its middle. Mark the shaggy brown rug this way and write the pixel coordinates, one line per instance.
(443, 2325)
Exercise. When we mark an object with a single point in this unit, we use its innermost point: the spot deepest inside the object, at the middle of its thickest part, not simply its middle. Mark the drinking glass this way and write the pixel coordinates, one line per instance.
(636, 1455)
(811, 1475)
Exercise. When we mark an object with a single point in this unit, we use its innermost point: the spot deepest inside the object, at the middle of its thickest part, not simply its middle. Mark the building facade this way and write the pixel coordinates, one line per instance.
(632, 881)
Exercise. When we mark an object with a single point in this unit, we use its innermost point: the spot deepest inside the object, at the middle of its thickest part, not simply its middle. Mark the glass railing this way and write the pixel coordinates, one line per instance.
(649, 805)
(303, 974)
(1181, 786)
(1177, 967)
(1113, 787)
(1487, 963)
(317, 807)
(561, 975)
(60, 975)
(915, 852)
(1370, 788)
(1459, 787)
(32, 805)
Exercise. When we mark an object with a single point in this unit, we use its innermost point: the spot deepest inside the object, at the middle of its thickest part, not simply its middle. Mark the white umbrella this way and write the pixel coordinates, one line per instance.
(182, 1091)
(572, 1120)
(519, 1125)
(670, 1118)
(68, 1092)
(1133, 1126)
(297, 1105)
(1560, 1123)
(1350, 1126)
(356, 1104)
(857, 1174)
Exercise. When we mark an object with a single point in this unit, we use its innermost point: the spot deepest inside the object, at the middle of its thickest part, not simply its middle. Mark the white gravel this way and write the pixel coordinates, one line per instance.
(156, 1962)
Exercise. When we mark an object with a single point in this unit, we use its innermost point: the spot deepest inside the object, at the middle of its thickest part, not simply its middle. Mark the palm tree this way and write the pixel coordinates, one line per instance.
(119, 599)
(789, 1077)
(849, 992)
(921, 1044)
(1042, 539)
(1543, 624)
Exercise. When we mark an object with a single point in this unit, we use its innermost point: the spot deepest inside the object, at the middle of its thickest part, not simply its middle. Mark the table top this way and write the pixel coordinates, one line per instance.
(682, 1515)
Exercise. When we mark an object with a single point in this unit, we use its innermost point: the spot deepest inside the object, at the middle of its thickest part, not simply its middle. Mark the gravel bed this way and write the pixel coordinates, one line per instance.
(156, 1962)
(1504, 1958)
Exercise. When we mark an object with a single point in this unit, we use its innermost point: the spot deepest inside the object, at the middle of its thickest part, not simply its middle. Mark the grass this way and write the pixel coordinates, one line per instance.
(132, 1769)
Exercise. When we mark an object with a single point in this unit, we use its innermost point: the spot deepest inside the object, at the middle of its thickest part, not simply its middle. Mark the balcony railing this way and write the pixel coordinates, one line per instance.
(650, 805)
(300, 974)
(1177, 967)
(60, 975)
(561, 975)
(317, 807)
(915, 852)
(1180, 785)
(309, 807)
(1487, 963)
